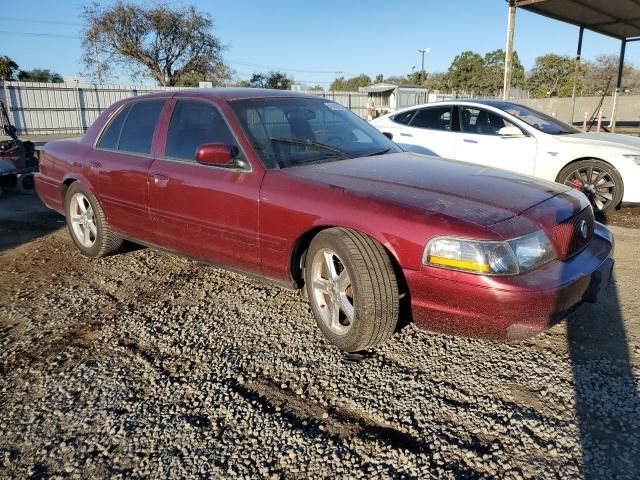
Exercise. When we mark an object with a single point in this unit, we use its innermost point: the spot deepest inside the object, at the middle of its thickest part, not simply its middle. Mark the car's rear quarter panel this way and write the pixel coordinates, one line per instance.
(62, 160)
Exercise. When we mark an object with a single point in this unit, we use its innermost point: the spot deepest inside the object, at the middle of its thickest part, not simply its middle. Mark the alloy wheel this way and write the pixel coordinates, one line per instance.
(596, 183)
(83, 221)
(332, 291)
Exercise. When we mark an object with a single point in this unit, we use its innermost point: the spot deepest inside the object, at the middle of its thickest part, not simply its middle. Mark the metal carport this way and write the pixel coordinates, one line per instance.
(615, 18)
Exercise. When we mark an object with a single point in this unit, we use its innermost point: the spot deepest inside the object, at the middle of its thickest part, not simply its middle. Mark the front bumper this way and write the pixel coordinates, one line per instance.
(514, 307)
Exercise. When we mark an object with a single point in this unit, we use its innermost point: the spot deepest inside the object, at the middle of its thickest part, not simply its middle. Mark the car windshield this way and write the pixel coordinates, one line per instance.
(539, 121)
(287, 132)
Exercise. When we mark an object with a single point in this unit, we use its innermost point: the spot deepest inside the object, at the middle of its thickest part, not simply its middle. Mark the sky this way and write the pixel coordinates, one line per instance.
(316, 41)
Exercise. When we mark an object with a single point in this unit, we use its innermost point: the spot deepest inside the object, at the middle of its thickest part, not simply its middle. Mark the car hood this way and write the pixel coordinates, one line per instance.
(469, 192)
(609, 140)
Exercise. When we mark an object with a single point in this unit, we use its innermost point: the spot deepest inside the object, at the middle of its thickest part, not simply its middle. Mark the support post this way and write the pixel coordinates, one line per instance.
(576, 73)
(508, 56)
(616, 93)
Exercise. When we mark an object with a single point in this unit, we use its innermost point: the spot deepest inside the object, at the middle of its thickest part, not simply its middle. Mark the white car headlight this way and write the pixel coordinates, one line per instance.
(634, 157)
(489, 257)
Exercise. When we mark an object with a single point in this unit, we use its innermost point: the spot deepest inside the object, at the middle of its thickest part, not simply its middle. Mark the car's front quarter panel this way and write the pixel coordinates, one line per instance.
(290, 207)
(556, 152)
(630, 173)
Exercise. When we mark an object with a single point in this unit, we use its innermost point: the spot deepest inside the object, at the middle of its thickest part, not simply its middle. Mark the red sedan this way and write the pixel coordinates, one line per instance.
(300, 191)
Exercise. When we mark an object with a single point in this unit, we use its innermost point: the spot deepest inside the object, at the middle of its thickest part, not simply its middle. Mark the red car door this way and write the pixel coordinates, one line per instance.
(122, 159)
(204, 211)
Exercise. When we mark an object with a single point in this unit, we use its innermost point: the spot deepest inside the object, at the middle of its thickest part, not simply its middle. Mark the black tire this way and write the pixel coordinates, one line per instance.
(26, 184)
(584, 174)
(373, 283)
(106, 241)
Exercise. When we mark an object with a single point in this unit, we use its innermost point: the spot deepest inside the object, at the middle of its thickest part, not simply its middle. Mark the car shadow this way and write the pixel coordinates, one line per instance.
(24, 218)
(607, 404)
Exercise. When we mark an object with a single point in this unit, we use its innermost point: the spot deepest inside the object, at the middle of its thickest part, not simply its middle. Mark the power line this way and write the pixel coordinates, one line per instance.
(31, 20)
(271, 67)
(38, 34)
(232, 62)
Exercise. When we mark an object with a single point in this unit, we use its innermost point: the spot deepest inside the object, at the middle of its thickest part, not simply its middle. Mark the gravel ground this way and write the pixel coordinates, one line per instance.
(146, 364)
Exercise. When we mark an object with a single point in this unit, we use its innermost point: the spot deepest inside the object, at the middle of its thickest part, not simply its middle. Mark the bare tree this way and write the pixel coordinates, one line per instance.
(175, 46)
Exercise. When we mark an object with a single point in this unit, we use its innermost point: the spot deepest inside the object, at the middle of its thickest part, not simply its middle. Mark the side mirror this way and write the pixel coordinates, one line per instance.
(389, 135)
(215, 154)
(510, 131)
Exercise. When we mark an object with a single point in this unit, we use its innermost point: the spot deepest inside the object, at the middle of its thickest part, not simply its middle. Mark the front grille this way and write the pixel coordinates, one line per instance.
(568, 237)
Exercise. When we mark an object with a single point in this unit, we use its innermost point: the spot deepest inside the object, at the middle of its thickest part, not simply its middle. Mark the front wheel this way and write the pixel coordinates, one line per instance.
(352, 289)
(88, 225)
(598, 180)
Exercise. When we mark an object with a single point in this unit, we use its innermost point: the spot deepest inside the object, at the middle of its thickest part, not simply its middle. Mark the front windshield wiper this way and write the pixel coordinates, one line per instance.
(311, 143)
(381, 152)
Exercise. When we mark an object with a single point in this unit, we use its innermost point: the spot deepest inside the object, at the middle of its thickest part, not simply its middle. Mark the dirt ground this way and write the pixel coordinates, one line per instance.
(146, 364)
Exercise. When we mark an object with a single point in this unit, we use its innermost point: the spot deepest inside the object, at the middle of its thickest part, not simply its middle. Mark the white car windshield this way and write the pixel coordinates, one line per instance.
(538, 120)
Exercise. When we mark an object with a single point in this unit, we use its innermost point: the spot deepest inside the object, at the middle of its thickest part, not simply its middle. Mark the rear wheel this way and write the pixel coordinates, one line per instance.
(352, 289)
(598, 180)
(87, 224)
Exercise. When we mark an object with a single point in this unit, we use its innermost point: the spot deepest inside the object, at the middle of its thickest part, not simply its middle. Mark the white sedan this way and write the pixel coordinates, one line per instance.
(604, 166)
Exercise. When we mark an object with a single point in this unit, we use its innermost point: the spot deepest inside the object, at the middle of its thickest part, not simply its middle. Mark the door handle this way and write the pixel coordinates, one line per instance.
(405, 134)
(159, 179)
(468, 140)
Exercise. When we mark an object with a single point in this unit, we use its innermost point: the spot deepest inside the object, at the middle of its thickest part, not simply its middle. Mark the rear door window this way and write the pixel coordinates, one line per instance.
(194, 123)
(434, 118)
(481, 121)
(111, 135)
(137, 132)
(404, 118)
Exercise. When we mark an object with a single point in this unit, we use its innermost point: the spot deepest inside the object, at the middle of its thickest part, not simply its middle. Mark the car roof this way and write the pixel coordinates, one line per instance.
(227, 93)
(499, 104)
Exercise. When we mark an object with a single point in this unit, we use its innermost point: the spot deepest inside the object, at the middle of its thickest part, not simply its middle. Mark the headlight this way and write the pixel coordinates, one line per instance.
(489, 257)
(634, 157)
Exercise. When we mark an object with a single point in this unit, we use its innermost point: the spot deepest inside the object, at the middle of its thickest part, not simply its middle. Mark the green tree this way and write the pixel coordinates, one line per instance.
(493, 72)
(379, 78)
(40, 75)
(168, 43)
(397, 80)
(466, 72)
(551, 76)
(416, 78)
(278, 80)
(341, 84)
(8, 68)
(438, 81)
(596, 74)
(258, 80)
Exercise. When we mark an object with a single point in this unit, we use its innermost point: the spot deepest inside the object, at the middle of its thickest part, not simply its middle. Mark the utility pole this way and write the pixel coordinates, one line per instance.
(616, 93)
(423, 51)
(98, 66)
(576, 72)
(508, 56)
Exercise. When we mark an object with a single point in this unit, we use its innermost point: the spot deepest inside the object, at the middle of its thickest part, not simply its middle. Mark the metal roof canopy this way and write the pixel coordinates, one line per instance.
(615, 18)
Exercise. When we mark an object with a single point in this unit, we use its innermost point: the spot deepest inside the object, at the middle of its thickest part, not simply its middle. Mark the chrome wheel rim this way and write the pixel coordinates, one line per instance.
(83, 220)
(597, 184)
(332, 291)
